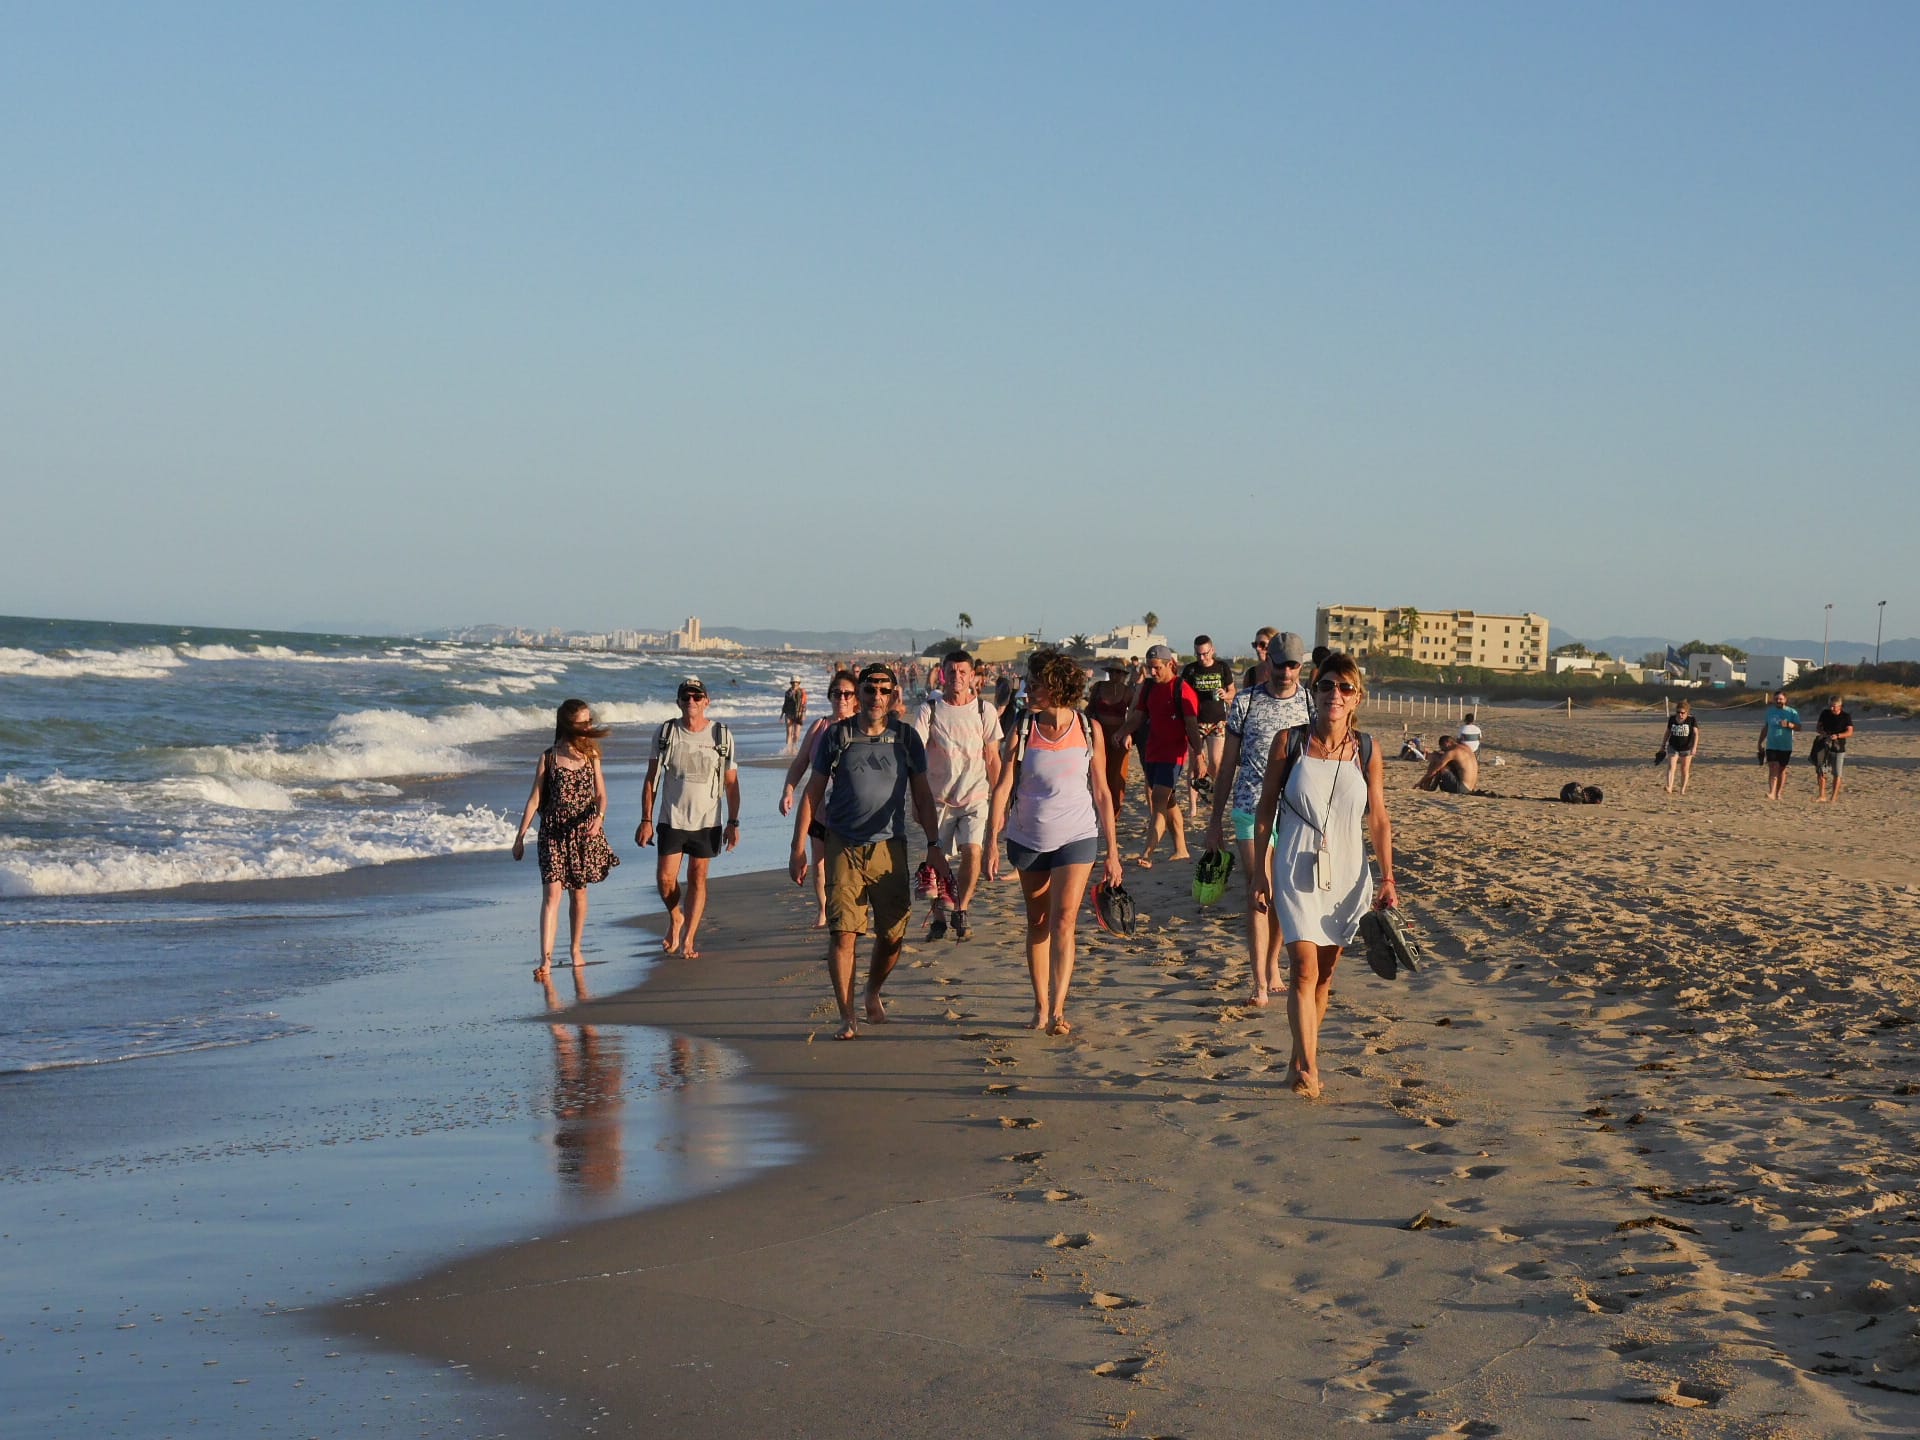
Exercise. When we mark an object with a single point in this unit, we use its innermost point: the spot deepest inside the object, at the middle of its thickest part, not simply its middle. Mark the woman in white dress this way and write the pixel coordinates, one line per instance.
(1324, 784)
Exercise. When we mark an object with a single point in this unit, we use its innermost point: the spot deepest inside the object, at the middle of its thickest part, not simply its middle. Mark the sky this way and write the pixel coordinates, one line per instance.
(395, 316)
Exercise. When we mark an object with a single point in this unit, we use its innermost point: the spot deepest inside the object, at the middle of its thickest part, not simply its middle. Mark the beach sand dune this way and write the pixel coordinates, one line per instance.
(1633, 1153)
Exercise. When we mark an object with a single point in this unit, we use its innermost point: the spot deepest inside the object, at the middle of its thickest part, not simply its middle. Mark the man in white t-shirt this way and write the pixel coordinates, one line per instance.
(961, 730)
(690, 773)
(1470, 733)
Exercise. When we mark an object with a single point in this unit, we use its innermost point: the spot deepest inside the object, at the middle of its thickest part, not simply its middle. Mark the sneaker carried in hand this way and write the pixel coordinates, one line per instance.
(937, 924)
(960, 927)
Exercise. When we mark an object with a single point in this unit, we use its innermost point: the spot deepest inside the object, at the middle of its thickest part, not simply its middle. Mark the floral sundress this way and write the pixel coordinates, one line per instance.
(571, 854)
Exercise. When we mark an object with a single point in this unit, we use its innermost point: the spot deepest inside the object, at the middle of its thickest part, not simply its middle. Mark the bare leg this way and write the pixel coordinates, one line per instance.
(1686, 771)
(840, 962)
(577, 914)
(1117, 777)
(1159, 801)
(694, 904)
(886, 954)
(969, 874)
(1673, 768)
(666, 877)
(1309, 989)
(1263, 957)
(1177, 827)
(819, 848)
(549, 922)
(1035, 886)
(1069, 889)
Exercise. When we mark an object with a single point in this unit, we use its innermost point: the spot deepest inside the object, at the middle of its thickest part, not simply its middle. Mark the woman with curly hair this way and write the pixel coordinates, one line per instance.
(570, 797)
(1052, 803)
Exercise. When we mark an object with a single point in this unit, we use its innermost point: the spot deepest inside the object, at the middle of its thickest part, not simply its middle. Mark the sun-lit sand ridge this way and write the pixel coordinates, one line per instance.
(1632, 1155)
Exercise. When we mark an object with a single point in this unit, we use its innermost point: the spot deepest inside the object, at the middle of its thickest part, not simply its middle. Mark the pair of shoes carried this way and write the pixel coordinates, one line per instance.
(961, 930)
(937, 924)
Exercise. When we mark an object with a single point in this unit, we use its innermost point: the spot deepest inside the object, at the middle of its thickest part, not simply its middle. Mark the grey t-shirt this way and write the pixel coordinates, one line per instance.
(868, 798)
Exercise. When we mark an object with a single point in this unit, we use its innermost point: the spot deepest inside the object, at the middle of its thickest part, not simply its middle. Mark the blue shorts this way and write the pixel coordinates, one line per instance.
(1074, 852)
(1162, 774)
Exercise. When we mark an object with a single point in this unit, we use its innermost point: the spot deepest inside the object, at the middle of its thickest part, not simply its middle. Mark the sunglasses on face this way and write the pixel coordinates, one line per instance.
(1259, 644)
(1327, 687)
(872, 689)
(845, 694)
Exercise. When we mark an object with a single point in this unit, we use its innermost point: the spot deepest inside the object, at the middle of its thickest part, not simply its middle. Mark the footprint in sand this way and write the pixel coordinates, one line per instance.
(1070, 1242)
(1129, 1368)
(1106, 1300)
(1025, 1157)
(1055, 1197)
(1019, 1122)
(1000, 1087)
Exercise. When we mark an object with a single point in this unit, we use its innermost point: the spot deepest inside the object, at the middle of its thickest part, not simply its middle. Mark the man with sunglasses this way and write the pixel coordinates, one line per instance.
(689, 774)
(876, 762)
(962, 734)
(1258, 714)
(1256, 673)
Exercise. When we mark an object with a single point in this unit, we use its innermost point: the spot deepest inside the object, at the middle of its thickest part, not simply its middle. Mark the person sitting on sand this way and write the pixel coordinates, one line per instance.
(1324, 786)
(570, 796)
(1454, 769)
(1469, 735)
(1167, 708)
(875, 762)
(1277, 704)
(1050, 800)
(843, 694)
(691, 769)
(1683, 743)
(1830, 746)
(1776, 741)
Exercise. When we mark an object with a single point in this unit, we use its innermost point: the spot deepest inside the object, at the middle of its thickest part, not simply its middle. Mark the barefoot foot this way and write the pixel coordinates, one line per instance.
(847, 1031)
(876, 1012)
(1059, 1026)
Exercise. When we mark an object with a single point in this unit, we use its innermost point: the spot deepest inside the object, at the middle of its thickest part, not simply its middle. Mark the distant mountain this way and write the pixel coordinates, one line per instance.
(1840, 652)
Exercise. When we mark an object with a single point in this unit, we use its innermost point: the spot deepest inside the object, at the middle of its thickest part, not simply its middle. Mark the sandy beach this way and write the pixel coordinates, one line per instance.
(1632, 1153)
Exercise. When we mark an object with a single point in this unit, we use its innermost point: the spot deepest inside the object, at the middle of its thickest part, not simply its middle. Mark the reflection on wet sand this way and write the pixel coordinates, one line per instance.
(718, 1134)
(587, 1070)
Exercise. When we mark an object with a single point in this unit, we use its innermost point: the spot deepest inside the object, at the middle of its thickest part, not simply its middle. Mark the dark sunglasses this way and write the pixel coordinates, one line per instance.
(845, 694)
(1329, 686)
(1259, 644)
(873, 689)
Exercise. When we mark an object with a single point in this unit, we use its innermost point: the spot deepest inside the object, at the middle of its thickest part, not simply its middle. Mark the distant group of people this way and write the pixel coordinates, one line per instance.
(1833, 727)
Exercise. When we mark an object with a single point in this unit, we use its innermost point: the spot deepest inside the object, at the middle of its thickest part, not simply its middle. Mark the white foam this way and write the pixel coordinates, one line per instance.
(148, 662)
(374, 744)
(318, 843)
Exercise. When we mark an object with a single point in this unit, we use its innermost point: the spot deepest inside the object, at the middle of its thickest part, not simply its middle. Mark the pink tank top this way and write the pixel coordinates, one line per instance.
(1053, 798)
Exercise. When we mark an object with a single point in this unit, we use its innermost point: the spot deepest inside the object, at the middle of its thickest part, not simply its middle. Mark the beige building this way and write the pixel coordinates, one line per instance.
(1436, 637)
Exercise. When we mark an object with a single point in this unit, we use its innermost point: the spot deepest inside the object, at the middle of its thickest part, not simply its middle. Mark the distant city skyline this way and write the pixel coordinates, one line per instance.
(836, 316)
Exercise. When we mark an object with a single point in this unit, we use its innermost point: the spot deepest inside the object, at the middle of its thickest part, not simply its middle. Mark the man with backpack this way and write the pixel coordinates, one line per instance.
(876, 763)
(961, 731)
(1168, 709)
(690, 771)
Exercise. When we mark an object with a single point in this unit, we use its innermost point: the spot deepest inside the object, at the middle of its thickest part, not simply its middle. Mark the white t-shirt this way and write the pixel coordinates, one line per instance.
(693, 774)
(957, 738)
(1470, 736)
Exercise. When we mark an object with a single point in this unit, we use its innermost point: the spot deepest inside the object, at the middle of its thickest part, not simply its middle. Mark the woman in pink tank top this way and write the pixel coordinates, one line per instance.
(1052, 804)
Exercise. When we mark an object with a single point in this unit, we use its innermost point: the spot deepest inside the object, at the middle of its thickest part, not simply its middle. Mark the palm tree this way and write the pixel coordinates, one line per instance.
(1153, 621)
(966, 624)
(1079, 645)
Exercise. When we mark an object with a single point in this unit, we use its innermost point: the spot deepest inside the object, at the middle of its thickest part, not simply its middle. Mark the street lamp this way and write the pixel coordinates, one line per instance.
(1878, 626)
(1828, 635)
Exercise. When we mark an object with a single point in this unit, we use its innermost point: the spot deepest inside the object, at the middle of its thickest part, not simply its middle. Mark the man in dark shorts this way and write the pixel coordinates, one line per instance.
(1166, 708)
(1830, 746)
(1454, 769)
(793, 710)
(690, 771)
(877, 763)
(1212, 680)
(1776, 742)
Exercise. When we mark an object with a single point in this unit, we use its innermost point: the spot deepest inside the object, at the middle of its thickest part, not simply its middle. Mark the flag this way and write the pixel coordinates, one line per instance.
(1676, 662)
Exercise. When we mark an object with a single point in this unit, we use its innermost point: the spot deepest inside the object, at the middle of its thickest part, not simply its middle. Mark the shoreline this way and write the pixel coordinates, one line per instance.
(1139, 1228)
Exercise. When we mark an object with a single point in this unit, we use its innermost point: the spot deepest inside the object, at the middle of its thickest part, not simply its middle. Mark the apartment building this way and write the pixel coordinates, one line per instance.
(1436, 637)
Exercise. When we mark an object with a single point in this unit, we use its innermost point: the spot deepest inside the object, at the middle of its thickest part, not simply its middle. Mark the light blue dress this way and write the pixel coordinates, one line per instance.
(1327, 796)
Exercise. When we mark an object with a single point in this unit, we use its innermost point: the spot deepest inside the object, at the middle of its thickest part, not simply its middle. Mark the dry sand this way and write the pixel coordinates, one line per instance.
(1633, 1154)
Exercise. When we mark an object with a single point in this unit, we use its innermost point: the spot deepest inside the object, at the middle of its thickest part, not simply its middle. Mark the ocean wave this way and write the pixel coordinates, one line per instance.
(147, 662)
(110, 1044)
(371, 744)
(316, 843)
(59, 797)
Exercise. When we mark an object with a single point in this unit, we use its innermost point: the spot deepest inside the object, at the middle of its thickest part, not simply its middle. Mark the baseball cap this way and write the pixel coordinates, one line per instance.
(1287, 647)
(1159, 652)
(877, 671)
(692, 685)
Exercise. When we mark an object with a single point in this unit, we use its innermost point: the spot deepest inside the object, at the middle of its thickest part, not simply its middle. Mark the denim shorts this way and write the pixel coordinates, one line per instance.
(1074, 852)
(1162, 774)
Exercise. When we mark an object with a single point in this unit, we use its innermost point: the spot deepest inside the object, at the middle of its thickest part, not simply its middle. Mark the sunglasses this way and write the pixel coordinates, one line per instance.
(1259, 644)
(845, 694)
(873, 689)
(1327, 687)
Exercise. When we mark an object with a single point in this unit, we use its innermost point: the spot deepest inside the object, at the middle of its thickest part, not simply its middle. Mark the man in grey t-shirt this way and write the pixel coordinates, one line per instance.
(877, 763)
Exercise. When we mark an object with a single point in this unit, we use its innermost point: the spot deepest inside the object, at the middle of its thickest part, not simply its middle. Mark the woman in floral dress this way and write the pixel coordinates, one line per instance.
(570, 797)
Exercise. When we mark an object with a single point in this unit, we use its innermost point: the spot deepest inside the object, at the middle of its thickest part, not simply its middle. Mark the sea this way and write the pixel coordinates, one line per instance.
(268, 1030)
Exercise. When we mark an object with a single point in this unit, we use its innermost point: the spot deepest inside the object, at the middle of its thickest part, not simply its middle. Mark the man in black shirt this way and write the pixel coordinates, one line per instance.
(1830, 747)
(1212, 680)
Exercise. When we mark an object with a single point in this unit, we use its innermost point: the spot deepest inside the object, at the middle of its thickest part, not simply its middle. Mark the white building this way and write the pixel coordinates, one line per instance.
(1126, 642)
(1561, 664)
(1709, 667)
(1775, 672)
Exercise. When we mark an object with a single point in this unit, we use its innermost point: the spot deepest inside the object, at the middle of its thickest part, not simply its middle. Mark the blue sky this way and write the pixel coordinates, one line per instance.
(401, 316)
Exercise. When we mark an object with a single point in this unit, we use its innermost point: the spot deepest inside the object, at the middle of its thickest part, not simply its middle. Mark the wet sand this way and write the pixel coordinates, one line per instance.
(1632, 1154)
